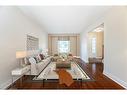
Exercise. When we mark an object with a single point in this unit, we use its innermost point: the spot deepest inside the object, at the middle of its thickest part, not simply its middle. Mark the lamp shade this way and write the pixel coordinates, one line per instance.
(20, 54)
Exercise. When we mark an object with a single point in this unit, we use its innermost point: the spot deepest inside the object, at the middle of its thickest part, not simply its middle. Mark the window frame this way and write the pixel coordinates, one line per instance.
(68, 47)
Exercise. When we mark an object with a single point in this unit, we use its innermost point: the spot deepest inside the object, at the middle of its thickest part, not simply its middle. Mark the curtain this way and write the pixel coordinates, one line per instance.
(74, 44)
(54, 46)
(63, 38)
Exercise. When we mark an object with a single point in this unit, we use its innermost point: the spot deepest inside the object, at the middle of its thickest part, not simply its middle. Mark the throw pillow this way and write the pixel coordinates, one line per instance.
(41, 56)
(32, 60)
(26, 60)
(36, 59)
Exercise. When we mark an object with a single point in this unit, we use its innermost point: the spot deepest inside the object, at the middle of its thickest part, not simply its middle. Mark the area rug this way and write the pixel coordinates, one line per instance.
(76, 71)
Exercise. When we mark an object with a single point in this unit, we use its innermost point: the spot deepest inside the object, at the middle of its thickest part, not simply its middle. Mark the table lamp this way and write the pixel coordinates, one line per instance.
(21, 55)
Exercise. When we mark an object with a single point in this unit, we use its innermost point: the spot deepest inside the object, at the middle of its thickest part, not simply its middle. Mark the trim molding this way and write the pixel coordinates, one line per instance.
(5, 85)
(8, 83)
(116, 79)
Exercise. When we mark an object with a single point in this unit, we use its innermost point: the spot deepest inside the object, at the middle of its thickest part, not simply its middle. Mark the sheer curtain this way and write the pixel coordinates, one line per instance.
(75, 45)
(54, 45)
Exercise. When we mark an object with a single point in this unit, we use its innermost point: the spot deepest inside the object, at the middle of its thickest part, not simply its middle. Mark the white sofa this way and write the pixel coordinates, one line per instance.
(36, 68)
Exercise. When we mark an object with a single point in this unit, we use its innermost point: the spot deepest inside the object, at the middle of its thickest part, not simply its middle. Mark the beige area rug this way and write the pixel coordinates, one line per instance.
(76, 72)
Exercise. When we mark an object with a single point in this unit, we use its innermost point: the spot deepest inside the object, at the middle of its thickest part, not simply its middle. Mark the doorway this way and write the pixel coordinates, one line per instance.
(96, 44)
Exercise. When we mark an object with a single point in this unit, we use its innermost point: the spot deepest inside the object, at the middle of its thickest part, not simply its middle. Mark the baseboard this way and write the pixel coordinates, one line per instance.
(8, 83)
(116, 79)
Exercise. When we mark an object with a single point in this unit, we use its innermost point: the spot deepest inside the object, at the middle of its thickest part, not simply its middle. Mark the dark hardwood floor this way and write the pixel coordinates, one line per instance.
(95, 71)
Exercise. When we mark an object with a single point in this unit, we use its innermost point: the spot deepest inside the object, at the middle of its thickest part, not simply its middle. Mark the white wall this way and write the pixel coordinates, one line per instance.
(83, 43)
(115, 44)
(14, 27)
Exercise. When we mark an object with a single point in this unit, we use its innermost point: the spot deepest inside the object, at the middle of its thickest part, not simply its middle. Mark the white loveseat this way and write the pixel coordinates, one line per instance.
(36, 68)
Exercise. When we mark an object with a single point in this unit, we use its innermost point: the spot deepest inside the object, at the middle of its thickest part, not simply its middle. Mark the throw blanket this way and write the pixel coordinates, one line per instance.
(64, 77)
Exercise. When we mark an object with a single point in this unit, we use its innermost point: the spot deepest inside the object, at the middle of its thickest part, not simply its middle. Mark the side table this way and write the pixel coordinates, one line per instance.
(19, 72)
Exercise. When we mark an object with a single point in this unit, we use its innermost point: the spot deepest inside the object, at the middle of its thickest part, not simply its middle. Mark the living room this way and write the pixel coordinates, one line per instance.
(25, 31)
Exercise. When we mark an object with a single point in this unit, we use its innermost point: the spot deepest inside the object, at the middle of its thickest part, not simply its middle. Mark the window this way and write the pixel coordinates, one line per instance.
(63, 46)
(94, 45)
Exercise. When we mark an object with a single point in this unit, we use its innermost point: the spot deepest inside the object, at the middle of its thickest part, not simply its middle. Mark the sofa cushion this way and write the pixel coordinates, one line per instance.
(37, 59)
(37, 68)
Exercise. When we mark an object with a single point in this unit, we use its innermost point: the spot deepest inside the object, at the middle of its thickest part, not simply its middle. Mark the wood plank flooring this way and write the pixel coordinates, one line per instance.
(94, 70)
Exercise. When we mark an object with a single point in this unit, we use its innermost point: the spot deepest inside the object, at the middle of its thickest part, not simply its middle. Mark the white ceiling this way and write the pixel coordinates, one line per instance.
(64, 19)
